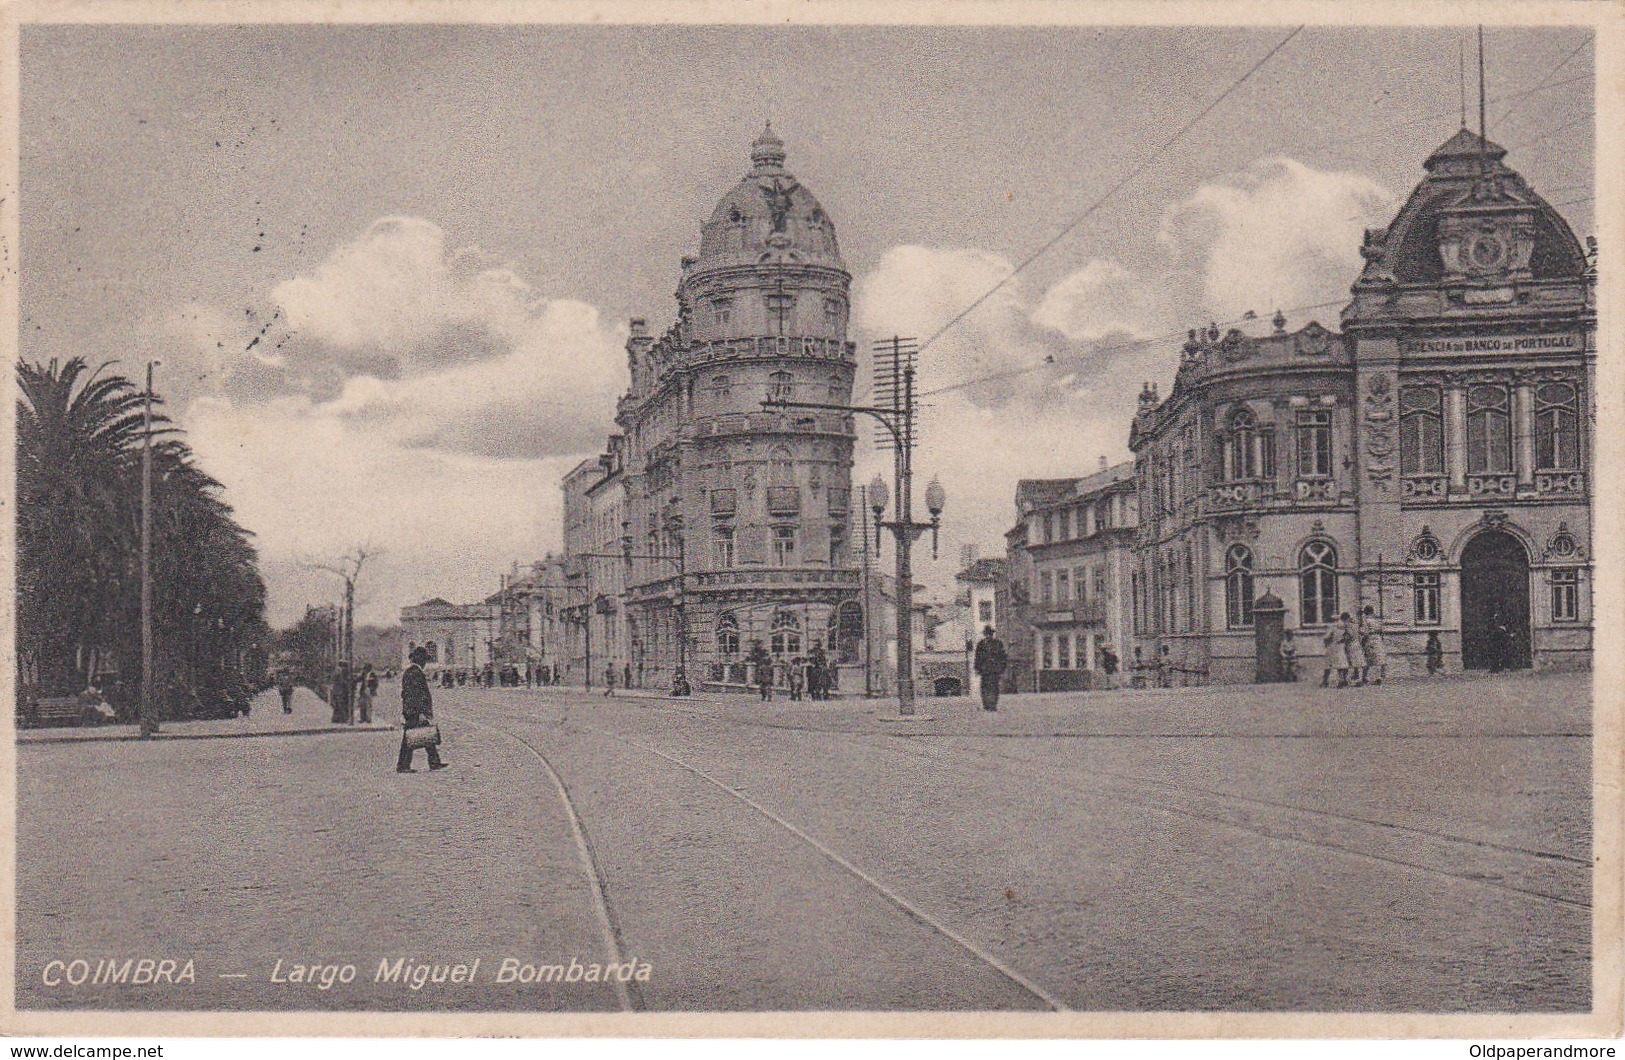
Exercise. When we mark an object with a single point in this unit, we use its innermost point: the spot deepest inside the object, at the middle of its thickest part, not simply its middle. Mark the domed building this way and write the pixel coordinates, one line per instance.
(738, 519)
(1431, 461)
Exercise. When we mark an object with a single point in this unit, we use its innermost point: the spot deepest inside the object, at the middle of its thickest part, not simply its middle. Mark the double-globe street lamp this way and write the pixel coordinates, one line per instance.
(900, 423)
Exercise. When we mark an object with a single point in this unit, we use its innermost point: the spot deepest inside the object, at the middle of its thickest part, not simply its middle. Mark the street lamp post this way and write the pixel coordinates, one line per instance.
(149, 693)
(899, 422)
(681, 603)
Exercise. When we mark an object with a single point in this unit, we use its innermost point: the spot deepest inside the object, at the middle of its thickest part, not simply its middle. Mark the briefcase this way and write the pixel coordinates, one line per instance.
(423, 736)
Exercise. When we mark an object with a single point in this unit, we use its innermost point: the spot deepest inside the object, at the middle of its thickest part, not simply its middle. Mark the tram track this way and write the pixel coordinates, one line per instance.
(1224, 814)
(852, 872)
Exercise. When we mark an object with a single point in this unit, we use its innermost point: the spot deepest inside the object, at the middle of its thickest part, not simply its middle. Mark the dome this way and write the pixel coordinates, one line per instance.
(1466, 176)
(768, 217)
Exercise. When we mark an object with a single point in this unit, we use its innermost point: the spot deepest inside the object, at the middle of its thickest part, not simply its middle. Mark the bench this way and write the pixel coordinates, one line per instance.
(54, 711)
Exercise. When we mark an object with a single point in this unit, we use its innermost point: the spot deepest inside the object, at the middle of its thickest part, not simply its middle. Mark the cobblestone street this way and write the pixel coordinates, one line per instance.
(1412, 847)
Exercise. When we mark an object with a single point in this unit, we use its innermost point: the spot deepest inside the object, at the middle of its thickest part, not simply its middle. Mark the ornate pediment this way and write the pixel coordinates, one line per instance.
(1313, 341)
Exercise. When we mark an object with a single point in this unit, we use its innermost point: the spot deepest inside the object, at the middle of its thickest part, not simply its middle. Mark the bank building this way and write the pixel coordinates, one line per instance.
(735, 522)
(1430, 458)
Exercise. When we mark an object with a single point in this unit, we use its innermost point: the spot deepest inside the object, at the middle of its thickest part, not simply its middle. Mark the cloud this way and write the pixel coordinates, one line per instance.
(1100, 300)
(313, 486)
(1065, 372)
(402, 393)
(1279, 234)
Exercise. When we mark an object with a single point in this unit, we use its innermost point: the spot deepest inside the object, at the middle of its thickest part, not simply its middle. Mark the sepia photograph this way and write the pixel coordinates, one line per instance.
(559, 512)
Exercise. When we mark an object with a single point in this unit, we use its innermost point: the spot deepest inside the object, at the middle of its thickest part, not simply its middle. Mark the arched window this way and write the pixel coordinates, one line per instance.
(1238, 586)
(786, 634)
(1317, 584)
(721, 387)
(1242, 455)
(727, 634)
(781, 386)
(1421, 431)
(1557, 421)
(1489, 431)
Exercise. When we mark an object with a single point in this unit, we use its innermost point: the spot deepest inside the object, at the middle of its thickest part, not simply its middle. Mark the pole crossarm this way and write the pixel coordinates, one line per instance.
(881, 414)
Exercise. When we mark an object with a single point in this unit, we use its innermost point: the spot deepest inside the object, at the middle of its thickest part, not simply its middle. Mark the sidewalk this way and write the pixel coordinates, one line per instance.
(265, 718)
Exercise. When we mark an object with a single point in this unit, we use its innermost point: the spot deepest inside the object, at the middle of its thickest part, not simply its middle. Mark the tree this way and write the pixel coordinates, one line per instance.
(79, 436)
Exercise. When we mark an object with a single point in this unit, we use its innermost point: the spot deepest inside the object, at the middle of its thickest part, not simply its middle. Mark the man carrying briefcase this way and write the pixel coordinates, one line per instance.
(417, 711)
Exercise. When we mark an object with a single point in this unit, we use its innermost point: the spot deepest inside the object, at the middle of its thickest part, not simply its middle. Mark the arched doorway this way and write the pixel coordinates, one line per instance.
(1494, 594)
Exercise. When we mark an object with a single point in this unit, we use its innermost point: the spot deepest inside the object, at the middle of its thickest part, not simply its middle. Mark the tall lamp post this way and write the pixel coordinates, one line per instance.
(149, 691)
(681, 603)
(899, 421)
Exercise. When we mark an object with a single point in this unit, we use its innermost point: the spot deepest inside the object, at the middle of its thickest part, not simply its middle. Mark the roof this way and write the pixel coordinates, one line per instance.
(1466, 174)
(1039, 493)
(769, 216)
(983, 570)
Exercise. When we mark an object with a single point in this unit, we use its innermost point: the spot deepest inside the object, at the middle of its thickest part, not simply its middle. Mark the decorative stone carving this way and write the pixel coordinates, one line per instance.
(1562, 545)
(1236, 528)
(1379, 431)
(1237, 346)
(1313, 341)
(1426, 547)
(1495, 519)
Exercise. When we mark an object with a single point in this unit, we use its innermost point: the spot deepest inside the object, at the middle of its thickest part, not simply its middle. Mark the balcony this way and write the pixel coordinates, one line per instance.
(774, 577)
(1560, 483)
(1232, 495)
(1423, 488)
(1492, 485)
(1312, 490)
(724, 502)
(783, 500)
(1092, 613)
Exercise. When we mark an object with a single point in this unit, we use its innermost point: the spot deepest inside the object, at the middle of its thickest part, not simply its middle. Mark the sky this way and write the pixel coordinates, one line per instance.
(388, 270)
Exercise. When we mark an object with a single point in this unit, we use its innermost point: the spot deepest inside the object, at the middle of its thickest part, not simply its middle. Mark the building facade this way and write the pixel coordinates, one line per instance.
(735, 521)
(1070, 564)
(1430, 461)
(458, 637)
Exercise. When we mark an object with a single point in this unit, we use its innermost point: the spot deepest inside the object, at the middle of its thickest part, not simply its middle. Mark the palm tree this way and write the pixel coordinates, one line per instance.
(79, 435)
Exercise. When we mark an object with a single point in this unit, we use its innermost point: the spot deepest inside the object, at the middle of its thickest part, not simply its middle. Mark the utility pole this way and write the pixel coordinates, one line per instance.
(896, 381)
(149, 700)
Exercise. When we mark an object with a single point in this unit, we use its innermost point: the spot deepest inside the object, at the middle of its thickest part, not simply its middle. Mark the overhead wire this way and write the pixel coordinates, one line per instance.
(1546, 85)
(1132, 174)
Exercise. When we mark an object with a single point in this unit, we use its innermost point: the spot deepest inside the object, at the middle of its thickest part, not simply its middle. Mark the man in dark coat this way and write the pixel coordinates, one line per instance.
(417, 710)
(990, 662)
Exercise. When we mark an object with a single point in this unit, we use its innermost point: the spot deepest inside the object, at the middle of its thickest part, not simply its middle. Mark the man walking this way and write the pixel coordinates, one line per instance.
(417, 710)
(990, 662)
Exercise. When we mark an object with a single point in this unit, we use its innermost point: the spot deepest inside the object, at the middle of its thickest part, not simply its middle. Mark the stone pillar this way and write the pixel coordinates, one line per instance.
(1523, 431)
(1455, 434)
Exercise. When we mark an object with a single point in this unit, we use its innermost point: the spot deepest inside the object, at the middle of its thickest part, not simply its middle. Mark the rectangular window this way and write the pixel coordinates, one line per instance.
(837, 545)
(984, 611)
(1063, 588)
(724, 541)
(1048, 658)
(1557, 420)
(722, 310)
(1565, 596)
(1315, 443)
(1489, 431)
(1100, 585)
(1046, 588)
(1421, 431)
(1266, 454)
(1425, 594)
(1063, 651)
(784, 546)
(1080, 584)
